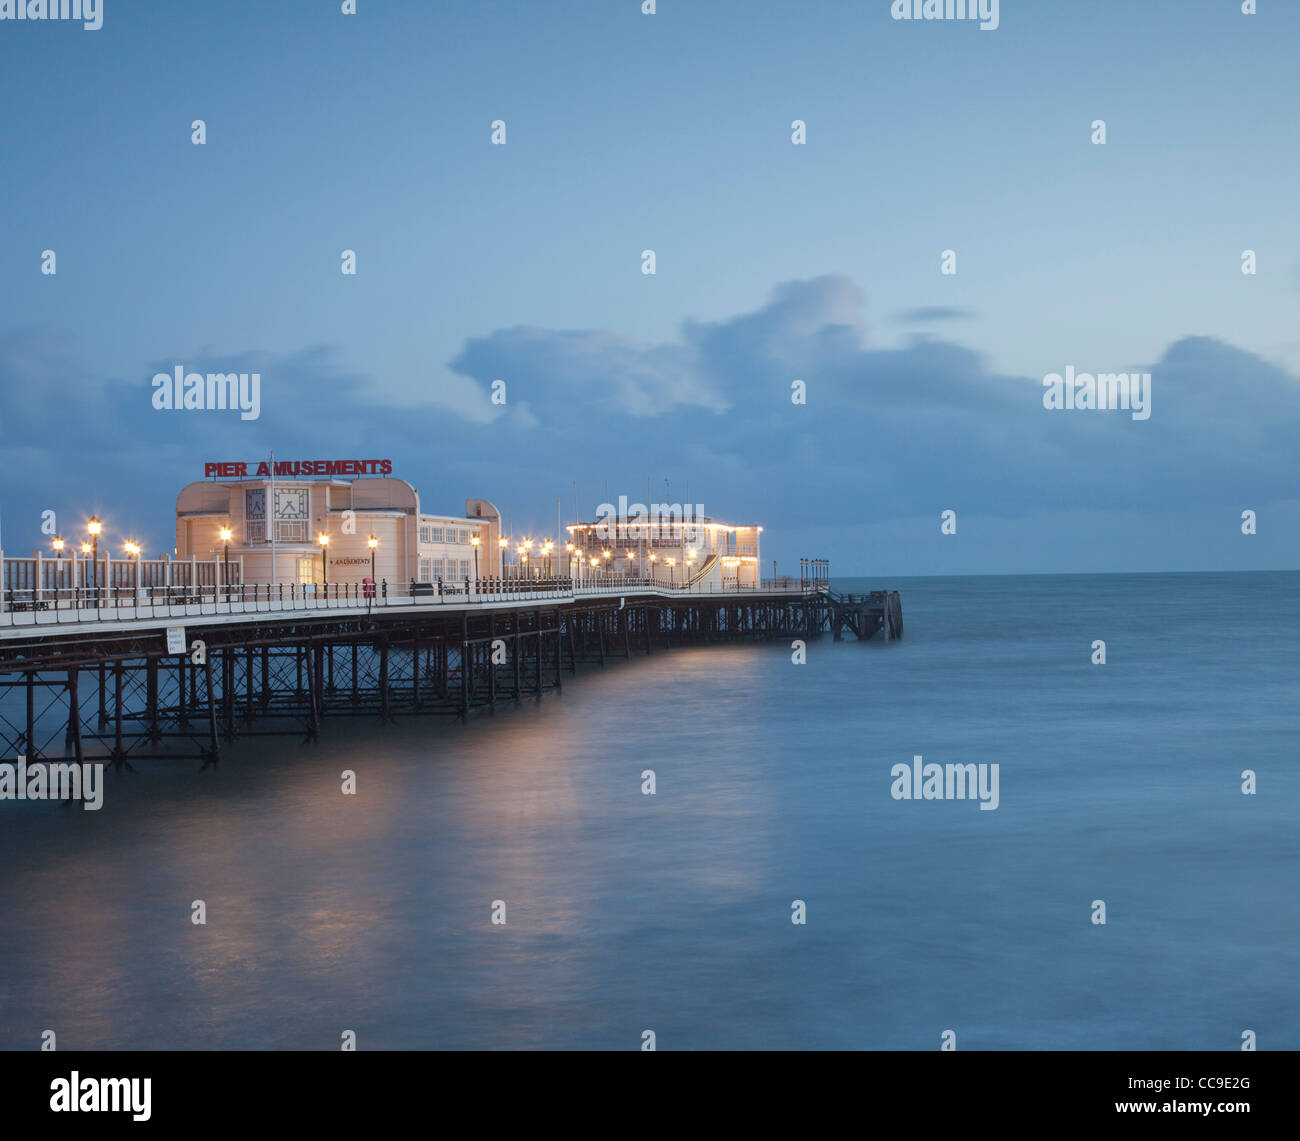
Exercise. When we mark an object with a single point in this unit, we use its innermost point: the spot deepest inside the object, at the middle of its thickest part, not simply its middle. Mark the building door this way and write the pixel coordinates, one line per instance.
(306, 568)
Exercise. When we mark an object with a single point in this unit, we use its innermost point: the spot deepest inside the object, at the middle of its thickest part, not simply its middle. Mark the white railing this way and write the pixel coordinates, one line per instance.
(78, 605)
(41, 575)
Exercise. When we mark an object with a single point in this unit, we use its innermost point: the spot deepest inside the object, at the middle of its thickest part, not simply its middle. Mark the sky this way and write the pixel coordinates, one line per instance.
(774, 262)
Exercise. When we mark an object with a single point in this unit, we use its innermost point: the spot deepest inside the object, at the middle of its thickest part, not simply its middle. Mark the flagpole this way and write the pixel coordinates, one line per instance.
(270, 521)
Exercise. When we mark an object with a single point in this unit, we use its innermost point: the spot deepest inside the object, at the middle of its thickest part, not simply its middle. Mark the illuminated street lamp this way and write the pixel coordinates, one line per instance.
(672, 570)
(226, 534)
(474, 542)
(95, 527)
(324, 541)
(57, 544)
(133, 549)
(372, 543)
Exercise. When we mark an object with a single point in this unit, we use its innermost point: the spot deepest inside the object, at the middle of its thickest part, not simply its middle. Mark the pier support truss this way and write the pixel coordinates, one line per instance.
(100, 696)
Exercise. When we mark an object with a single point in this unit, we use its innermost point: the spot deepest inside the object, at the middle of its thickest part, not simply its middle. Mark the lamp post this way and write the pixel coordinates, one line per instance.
(672, 571)
(547, 547)
(133, 549)
(474, 542)
(324, 541)
(502, 544)
(57, 544)
(372, 543)
(225, 539)
(95, 527)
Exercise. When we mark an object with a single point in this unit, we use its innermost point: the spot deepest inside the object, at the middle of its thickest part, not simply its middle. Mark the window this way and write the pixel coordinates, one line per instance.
(436, 571)
(464, 568)
(291, 532)
(255, 503)
(435, 534)
(426, 536)
(307, 568)
(426, 570)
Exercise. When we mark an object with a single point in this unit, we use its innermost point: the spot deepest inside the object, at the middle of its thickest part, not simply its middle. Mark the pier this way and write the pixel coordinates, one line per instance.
(178, 671)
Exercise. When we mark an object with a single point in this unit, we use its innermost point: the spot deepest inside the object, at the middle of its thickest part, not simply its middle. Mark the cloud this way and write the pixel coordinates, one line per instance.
(935, 314)
(597, 371)
(886, 433)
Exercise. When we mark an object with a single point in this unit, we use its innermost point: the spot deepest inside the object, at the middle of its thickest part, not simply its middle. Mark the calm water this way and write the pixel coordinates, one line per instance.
(672, 912)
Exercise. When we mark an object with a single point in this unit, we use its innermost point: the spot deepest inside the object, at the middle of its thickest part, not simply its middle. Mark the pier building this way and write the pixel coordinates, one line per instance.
(304, 529)
(670, 547)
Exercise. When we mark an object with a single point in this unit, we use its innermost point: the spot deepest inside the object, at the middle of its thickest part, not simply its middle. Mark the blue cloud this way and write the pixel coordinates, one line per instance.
(886, 433)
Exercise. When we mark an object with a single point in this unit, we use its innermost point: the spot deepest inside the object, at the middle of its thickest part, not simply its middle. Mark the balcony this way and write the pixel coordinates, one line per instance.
(286, 531)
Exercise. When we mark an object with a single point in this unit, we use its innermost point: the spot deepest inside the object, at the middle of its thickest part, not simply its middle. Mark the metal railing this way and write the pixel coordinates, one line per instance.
(70, 606)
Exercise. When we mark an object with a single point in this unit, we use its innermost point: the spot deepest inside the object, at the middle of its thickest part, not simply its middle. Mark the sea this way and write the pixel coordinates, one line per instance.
(706, 845)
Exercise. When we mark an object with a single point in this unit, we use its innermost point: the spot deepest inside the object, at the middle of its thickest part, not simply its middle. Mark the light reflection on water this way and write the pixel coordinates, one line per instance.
(371, 913)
